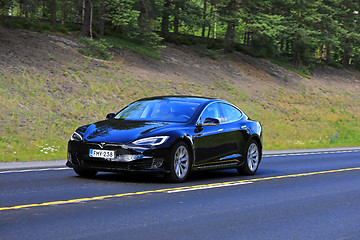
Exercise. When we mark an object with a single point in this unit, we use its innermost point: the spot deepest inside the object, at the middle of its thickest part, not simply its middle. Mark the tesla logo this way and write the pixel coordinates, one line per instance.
(101, 145)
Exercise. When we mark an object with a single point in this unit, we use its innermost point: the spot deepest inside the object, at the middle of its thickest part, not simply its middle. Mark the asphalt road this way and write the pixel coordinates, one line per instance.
(292, 196)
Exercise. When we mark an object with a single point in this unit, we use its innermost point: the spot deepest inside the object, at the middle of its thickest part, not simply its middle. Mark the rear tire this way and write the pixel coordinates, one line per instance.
(85, 172)
(252, 161)
(180, 163)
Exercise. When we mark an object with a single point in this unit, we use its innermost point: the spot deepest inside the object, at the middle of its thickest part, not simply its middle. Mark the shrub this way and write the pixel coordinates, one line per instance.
(96, 49)
(213, 54)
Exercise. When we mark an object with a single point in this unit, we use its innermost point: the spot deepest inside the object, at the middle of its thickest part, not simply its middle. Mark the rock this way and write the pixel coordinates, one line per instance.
(64, 40)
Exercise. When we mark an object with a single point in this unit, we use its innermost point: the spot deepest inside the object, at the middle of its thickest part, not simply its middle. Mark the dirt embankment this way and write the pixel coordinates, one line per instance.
(24, 50)
(48, 89)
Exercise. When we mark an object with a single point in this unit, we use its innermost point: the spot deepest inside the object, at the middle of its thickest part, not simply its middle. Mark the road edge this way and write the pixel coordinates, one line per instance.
(61, 163)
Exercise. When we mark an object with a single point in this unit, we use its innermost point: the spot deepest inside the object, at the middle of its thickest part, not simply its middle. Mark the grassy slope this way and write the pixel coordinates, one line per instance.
(40, 110)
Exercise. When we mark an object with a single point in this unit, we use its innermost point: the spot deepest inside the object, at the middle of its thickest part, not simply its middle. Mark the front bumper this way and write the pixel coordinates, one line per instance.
(127, 158)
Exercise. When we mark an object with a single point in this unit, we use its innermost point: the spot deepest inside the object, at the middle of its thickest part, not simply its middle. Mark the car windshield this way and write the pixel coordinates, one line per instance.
(159, 110)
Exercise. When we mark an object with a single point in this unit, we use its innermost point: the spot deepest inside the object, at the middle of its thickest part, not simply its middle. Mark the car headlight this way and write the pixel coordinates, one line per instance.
(152, 141)
(76, 137)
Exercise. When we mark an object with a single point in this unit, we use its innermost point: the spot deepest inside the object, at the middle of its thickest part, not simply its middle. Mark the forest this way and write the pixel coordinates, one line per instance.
(300, 32)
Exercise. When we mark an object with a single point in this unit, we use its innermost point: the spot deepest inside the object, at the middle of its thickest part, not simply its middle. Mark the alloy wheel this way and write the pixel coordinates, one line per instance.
(253, 156)
(181, 162)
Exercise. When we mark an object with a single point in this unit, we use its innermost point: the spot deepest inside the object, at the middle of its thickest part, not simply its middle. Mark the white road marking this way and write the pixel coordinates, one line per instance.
(177, 189)
(304, 154)
(264, 156)
(35, 170)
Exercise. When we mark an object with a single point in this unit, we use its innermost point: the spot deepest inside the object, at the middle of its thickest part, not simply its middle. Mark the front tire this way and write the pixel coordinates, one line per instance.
(252, 161)
(85, 172)
(180, 163)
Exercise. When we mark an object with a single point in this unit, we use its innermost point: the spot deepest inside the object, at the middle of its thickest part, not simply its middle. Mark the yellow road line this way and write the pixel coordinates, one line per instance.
(173, 189)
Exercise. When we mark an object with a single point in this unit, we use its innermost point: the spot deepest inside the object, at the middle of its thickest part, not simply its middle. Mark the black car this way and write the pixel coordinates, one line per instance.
(170, 134)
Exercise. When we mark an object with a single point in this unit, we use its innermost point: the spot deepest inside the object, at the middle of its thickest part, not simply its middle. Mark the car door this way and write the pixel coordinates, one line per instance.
(234, 130)
(213, 141)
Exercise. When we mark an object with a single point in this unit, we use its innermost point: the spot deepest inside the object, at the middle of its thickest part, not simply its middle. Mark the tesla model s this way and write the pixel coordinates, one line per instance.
(172, 135)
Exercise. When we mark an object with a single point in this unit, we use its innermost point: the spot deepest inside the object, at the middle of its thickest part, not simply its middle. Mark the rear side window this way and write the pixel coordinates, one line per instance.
(230, 113)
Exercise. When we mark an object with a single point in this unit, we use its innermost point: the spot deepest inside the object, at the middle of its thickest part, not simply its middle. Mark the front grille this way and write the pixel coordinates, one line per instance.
(142, 164)
(105, 165)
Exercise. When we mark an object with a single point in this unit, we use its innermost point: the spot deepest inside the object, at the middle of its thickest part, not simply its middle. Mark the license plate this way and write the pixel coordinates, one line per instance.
(102, 153)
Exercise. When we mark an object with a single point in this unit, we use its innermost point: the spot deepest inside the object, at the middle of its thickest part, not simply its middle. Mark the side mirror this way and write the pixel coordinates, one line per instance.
(110, 116)
(211, 121)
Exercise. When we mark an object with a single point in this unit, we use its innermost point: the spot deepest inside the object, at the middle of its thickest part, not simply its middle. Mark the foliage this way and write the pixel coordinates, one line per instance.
(213, 54)
(304, 32)
(96, 49)
(38, 26)
(132, 23)
(123, 16)
(40, 113)
(304, 72)
(137, 48)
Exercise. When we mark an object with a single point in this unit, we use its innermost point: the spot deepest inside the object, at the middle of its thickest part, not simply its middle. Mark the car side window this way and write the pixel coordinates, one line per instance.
(230, 113)
(211, 111)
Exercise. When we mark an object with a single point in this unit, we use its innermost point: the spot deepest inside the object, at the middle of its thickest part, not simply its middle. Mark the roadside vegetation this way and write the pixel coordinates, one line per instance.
(43, 98)
(302, 33)
(38, 113)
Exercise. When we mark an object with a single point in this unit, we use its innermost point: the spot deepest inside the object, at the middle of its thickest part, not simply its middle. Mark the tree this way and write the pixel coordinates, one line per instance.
(102, 11)
(204, 19)
(123, 16)
(53, 12)
(86, 30)
(165, 18)
(349, 19)
(229, 12)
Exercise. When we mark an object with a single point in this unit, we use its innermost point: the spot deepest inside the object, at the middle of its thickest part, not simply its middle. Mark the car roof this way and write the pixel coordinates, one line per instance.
(196, 99)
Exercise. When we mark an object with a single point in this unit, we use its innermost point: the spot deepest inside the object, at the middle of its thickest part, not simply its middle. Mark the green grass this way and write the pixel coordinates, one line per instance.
(38, 112)
(135, 47)
(304, 72)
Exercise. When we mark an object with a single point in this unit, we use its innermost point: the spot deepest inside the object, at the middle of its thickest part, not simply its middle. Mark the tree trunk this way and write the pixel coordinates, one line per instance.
(83, 11)
(204, 18)
(26, 8)
(53, 12)
(102, 11)
(328, 53)
(85, 31)
(144, 21)
(295, 57)
(91, 18)
(165, 19)
(356, 60)
(215, 27)
(44, 8)
(211, 14)
(176, 23)
(281, 45)
(230, 31)
(64, 12)
(79, 14)
(229, 37)
(346, 56)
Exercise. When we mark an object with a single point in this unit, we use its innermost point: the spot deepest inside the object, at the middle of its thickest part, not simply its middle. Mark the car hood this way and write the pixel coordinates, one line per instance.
(122, 131)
